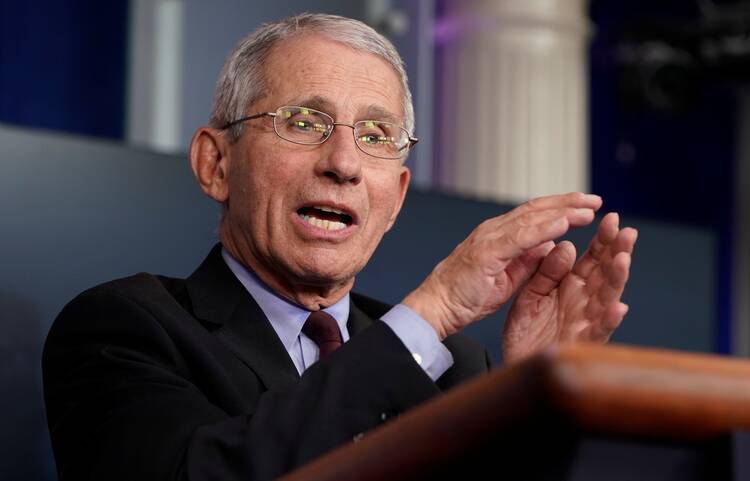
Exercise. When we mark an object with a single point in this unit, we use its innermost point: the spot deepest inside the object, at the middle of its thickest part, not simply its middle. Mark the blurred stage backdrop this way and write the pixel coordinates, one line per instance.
(642, 102)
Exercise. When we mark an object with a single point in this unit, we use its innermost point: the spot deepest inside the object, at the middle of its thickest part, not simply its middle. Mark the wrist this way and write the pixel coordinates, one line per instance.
(425, 304)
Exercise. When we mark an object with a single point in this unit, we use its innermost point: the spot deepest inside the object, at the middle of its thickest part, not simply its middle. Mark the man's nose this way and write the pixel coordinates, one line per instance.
(341, 159)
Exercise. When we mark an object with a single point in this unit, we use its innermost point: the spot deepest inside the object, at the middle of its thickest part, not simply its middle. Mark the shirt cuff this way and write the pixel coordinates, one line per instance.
(420, 339)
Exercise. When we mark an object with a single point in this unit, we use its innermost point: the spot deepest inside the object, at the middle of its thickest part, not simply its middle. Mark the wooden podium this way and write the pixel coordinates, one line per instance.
(571, 413)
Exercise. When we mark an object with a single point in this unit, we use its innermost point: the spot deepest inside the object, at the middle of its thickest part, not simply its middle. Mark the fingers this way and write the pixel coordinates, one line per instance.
(616, 275)
(607, 295)
(535, 222)
(534, 228)
(568, 203)
(626, 240)
(499, 256)
(606, 267)
(611, 320)
(522, 267)
(605, 235)
(608, 241)
(572, 200)
(553, 269)
(613, 317)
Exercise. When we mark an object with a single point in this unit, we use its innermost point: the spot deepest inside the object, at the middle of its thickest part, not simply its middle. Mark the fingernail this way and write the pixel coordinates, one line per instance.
(592, 197)
(584, 212)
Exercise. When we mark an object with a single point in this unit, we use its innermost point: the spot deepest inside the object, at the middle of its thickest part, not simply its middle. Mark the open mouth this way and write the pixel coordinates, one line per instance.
(326, 218)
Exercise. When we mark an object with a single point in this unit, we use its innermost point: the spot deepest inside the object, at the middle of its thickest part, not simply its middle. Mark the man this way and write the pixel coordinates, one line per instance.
(215, 376)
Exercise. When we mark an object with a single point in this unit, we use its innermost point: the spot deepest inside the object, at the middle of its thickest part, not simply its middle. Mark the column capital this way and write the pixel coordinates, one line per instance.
(483, 15)
(515, 83)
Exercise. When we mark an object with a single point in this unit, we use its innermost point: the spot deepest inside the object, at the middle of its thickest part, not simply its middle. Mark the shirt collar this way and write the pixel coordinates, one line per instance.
(286, 317)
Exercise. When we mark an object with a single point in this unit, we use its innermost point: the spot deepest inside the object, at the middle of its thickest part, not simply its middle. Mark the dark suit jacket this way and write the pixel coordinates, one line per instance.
(155, 378)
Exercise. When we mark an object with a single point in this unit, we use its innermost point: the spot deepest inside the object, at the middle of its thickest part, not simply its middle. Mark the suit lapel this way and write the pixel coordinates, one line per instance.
(217, 297)
(362, 312)
(358, 320)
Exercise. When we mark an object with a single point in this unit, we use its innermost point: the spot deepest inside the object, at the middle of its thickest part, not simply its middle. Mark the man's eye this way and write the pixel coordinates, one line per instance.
(308, 125)
(375, 139)
(301, 124)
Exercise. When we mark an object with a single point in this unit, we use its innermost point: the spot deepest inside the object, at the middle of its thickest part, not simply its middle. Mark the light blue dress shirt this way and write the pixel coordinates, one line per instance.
(287, 320)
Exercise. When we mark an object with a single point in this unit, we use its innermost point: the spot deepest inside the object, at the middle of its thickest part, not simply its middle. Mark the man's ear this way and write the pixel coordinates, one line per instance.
(403, 186)
(210, 163)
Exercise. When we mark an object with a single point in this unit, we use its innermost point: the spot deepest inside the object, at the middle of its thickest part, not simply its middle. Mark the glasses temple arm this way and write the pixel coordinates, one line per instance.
(250, 117)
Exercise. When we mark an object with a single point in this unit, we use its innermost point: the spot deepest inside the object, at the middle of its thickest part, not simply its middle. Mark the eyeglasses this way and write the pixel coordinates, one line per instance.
(305, 126)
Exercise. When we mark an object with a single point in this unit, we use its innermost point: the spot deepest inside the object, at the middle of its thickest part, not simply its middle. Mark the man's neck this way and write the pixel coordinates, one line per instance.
(310, 296)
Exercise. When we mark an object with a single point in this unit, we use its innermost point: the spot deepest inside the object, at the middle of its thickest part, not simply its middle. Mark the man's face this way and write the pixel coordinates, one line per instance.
(279, 191)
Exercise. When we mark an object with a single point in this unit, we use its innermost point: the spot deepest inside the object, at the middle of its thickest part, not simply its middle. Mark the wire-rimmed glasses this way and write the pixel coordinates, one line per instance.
(306, 126)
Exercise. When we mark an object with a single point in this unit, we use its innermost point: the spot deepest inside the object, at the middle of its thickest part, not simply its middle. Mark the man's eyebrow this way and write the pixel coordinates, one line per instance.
(376, 112)
(372, 112)
(315, 102)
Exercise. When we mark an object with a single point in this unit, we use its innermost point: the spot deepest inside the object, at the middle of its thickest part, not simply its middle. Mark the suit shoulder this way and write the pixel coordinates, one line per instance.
(114, 299)
(141, 288)
(137, 285)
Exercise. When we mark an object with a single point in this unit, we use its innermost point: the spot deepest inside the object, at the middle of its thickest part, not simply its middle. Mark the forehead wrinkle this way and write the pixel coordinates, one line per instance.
(371, 86)
(317, 102)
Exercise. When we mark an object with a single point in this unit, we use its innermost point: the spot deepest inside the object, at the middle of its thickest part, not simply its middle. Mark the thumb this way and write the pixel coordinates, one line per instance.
(553, 269)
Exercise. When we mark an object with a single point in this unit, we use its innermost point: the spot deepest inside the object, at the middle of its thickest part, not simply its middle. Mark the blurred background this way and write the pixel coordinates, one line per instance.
(642, 102)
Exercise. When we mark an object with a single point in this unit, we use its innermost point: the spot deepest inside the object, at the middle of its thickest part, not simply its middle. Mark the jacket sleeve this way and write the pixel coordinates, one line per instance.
(122, 403)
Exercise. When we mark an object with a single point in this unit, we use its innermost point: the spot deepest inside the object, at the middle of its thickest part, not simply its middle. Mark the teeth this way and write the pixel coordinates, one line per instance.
(323, 224)
(328, 209)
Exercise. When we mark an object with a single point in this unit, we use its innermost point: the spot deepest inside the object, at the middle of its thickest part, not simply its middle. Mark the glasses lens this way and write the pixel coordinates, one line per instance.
(302, 125)
(381, 139)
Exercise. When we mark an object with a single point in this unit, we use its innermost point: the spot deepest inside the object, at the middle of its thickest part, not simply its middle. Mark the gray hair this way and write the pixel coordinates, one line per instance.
(242, 81)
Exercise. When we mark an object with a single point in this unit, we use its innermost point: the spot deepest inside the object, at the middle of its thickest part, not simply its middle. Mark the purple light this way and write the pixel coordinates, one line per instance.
(449, 28)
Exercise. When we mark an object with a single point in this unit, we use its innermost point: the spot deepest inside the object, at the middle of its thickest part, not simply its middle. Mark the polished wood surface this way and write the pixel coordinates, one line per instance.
(609, 390)
(648, 392)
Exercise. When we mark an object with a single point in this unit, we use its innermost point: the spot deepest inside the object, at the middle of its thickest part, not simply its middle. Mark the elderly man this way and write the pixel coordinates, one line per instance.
(217, 376)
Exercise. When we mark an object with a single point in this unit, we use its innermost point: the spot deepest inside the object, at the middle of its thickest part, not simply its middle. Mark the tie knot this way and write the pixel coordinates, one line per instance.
(322, 328)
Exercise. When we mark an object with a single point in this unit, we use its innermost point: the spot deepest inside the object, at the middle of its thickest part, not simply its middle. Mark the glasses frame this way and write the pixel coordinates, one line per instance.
(412, 140)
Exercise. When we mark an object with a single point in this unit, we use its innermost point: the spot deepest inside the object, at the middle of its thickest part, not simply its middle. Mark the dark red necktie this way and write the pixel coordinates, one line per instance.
(322, 328)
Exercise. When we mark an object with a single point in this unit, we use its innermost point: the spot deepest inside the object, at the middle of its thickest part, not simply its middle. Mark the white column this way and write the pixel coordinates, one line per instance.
(422, 157)
(514, 102)
(155, 74)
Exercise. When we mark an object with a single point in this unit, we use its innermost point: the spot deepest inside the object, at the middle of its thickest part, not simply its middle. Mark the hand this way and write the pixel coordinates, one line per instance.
(499, 256)
(572, 301)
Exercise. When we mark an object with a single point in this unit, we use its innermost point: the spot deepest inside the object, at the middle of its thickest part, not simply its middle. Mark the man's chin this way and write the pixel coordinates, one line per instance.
(327, 278)
(326, 265)
(315, 289)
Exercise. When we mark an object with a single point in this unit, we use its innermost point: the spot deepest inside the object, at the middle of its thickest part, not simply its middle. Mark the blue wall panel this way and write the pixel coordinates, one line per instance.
(62, 65)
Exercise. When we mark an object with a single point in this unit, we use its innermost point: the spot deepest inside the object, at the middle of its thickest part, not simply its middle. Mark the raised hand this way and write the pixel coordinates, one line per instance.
(499, 256)
(567, 300)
